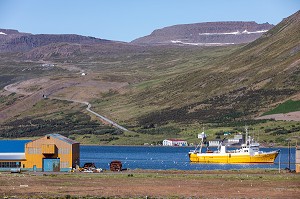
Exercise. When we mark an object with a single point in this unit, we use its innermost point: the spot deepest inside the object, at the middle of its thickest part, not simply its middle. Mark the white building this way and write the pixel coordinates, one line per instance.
(214, 143)
(238, 139)
(174, 142)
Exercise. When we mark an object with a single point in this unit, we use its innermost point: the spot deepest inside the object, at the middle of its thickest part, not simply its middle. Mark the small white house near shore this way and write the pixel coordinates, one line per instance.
(214, 143)
(174, 142)
(238, 139)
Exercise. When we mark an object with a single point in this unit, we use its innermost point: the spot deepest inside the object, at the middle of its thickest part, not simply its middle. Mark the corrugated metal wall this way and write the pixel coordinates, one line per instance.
(50, 147)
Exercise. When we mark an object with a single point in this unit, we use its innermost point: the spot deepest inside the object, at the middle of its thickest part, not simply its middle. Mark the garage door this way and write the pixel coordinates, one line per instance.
(50, 164)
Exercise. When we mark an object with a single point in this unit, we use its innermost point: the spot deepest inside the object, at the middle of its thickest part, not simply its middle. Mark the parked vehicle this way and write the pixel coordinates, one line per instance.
(89, 166)
(115, 165)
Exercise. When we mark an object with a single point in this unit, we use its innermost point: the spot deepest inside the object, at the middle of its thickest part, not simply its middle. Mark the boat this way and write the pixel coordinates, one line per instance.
(248, 153)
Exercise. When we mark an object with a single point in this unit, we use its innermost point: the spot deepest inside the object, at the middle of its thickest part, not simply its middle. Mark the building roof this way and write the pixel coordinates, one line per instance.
(12, 156)
(63, 138)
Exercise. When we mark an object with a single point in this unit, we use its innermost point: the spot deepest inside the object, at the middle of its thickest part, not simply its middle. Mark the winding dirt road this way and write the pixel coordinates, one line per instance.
(30, 98)
(48, 87)
(102, 118)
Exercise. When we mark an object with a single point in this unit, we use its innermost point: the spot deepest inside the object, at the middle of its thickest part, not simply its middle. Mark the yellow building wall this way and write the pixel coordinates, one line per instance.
(50, 147)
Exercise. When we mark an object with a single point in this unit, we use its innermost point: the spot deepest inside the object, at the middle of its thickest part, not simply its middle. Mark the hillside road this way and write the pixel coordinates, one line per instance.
(102, 118)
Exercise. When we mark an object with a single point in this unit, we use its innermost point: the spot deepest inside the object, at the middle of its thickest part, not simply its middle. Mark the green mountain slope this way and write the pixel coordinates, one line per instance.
(232, 87)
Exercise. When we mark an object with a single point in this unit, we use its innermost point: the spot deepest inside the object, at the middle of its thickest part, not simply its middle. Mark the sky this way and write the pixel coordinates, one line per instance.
(125, 20)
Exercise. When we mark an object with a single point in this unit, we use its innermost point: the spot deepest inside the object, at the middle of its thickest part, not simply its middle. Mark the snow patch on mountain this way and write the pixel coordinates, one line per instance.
(235, 33)
(200, 44)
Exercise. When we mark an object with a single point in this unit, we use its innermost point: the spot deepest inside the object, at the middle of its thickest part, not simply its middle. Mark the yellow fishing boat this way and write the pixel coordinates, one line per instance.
(248, 153)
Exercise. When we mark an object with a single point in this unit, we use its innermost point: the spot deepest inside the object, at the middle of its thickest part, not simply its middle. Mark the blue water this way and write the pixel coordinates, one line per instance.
(152, 157)
(163, 158)
(13, 146)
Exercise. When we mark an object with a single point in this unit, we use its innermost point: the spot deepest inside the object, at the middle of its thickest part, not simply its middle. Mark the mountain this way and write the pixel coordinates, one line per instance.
(210, 33)
(169, 90)
(252, 79)
(64, 50)
(14, 41)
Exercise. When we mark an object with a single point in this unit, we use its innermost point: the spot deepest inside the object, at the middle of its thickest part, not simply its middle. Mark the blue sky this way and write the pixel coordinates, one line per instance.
(125, 20)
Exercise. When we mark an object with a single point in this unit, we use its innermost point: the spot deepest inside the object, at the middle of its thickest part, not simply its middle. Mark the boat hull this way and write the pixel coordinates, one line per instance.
(233, 157)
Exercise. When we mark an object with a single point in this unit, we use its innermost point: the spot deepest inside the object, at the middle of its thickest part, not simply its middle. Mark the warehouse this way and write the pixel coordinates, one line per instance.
(52, 152)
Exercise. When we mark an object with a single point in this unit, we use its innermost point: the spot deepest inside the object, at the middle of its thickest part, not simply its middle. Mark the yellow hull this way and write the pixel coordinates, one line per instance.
(233, 157)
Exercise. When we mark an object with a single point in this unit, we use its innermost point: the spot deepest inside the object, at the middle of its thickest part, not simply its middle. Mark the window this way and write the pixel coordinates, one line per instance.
(33, 150)
(10, 164)
(63, 151)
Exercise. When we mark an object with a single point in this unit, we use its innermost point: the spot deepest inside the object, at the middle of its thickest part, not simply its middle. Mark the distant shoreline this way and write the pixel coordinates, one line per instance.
(262, 146)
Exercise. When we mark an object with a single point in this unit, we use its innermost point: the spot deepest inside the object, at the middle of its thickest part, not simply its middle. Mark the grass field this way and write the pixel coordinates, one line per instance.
(286, 107)
(152, 184)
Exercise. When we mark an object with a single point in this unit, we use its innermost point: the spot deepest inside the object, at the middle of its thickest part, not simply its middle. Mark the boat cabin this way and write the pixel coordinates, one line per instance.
(252, 148)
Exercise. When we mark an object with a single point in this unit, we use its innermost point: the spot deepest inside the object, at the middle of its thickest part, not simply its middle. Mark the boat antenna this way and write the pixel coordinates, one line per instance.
(246, 138)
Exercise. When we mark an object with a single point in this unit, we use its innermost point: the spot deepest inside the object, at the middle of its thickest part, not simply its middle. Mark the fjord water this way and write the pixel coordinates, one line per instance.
(13, 146)
(165, 158)
(152, 157)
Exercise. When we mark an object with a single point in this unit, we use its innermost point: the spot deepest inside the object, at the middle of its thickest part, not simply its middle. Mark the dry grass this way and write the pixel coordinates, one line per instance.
(157, 184)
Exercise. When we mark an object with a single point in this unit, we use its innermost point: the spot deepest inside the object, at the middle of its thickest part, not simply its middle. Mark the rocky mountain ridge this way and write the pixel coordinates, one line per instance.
(14, 41)
(203, 34)
(209, 33)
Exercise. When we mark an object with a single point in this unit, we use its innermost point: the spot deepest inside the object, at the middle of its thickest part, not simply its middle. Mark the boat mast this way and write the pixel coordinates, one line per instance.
(202, 136)
(201, 146)
(246, 138)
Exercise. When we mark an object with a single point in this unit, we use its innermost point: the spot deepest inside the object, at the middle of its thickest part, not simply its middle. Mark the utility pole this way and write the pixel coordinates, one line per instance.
(279, 163)
(289, 145)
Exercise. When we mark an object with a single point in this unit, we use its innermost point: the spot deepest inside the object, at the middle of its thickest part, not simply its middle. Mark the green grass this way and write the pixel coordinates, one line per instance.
(199, 75)
(286, 107)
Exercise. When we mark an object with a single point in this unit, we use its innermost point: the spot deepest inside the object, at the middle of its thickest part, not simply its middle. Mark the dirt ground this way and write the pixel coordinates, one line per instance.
(292, 116)
(152, 184)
